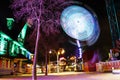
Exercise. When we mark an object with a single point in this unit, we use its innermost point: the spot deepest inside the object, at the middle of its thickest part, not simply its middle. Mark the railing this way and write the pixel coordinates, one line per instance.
(107, 66)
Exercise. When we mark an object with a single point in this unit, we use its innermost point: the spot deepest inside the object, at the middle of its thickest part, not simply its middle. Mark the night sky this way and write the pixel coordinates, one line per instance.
(6, 12)
(104, 42)
(97, 6)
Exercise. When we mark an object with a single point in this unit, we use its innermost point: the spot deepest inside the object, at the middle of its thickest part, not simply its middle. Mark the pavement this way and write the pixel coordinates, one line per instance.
(43, 74)
(66, 76)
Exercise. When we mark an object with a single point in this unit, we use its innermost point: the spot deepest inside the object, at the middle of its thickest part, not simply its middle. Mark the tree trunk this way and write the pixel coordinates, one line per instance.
(46, 63)
(34, 77)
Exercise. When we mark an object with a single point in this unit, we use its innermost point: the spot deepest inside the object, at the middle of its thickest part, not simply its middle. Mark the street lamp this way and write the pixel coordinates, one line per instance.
(50, 52)
(60, 51)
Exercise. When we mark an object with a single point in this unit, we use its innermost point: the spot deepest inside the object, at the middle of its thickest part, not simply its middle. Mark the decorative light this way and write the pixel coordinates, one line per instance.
(80, 23)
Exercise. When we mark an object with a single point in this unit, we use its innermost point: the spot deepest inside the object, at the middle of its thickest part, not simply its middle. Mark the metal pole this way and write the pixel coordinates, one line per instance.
(75, 64)
(49, 64)
(57, 63)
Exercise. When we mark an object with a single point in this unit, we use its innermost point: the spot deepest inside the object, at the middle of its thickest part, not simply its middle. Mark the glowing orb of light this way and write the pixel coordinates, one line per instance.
(79, 23)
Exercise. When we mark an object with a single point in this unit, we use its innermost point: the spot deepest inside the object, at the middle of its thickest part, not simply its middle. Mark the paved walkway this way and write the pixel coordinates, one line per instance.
(66, 76)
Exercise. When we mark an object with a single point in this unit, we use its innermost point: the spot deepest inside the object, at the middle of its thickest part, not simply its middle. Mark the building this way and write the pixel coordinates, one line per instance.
(13, 55)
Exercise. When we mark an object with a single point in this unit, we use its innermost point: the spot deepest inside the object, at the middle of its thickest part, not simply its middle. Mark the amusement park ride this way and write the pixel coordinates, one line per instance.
(114, 63)
(71, 17)
(112, 12)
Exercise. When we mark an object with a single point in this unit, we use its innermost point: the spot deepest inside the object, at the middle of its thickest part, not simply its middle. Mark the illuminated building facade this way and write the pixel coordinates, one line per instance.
(13, 53)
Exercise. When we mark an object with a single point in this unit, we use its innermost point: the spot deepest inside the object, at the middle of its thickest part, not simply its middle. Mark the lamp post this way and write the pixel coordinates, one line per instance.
(60, 51)
(50, 52)
(58, 62)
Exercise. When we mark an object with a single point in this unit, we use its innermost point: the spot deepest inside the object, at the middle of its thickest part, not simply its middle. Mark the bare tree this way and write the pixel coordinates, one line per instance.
(43, 15)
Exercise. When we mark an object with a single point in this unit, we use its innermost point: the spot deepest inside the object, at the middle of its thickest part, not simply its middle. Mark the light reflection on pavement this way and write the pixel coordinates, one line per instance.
(66, 76)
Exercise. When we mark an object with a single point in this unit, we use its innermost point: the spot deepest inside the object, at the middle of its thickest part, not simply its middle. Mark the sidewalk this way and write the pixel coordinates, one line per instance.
(60, 73)
(43, 74)
(66, 76)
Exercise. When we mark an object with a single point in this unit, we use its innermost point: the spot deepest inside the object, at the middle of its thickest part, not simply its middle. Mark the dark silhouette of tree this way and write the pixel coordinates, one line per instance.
(41, 15)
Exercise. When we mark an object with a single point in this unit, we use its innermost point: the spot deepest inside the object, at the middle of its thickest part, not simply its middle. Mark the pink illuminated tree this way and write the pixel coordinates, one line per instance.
(42, 15)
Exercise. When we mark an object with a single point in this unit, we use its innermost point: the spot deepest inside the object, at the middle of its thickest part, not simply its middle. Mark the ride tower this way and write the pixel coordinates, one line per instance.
(113, 21)
(113, 17)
